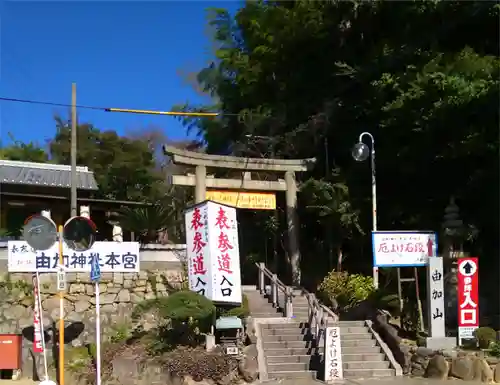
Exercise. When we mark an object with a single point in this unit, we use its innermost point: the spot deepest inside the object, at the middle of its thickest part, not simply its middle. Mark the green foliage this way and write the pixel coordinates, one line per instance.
(26, 152)
(485, 336)
(241, 311)
(305, 76)
(180, 306)
(347, 290)
(148, 221)
(124, 168)
(15, 287)
(494, 348)
(120, 332)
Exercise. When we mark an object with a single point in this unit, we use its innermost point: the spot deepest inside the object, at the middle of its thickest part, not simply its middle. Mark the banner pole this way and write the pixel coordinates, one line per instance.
(61, 313)
(42, 328)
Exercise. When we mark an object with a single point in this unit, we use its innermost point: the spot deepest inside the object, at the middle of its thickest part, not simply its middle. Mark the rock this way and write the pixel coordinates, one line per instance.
(76, 288)
(249, 369)
(125, 368)
(123, 296)
(462, 368)
(496, 376)
(250, 351)
(424, 352)
(81, 306)
(136, 298)
(107, 299)
(437, 368)
(89, 290)
(486, 372)
(15, 312)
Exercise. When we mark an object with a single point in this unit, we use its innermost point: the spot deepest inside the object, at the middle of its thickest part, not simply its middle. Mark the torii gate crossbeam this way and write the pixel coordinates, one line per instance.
(288, 166)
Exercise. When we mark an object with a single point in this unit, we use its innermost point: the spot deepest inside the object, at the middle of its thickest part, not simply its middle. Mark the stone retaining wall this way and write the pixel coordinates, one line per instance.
(119, 293)
(460, 365)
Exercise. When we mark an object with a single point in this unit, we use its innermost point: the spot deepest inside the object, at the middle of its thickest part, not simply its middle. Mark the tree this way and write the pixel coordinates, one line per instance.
(313, 75)
(124, 168)
(27, 152)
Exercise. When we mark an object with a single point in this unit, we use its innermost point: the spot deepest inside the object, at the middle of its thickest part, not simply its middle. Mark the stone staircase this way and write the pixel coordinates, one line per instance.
(290, 350)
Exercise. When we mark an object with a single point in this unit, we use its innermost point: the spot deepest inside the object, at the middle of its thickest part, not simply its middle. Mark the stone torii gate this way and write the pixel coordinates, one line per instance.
(201, 181)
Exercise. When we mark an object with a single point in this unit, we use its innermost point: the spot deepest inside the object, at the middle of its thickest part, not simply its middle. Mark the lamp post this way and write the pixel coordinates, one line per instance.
(360, 153)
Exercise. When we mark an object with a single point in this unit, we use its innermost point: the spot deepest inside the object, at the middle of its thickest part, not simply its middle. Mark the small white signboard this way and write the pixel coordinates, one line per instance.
(403, 248)
(333, 355)
(114, 257)
(61, 279)
(213, 252)
(435, 290)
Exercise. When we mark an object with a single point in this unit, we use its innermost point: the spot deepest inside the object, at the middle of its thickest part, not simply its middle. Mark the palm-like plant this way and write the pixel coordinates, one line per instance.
(147, 222)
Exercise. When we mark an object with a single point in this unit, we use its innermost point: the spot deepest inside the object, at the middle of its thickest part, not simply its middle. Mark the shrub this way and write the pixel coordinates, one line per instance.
(241, 311)
(485, 336)
(495, 348)
(346, 290)
(180, 306)
(199, 364)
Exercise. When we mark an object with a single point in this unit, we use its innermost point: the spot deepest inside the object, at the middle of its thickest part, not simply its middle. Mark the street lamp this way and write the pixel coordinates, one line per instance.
(360, 153)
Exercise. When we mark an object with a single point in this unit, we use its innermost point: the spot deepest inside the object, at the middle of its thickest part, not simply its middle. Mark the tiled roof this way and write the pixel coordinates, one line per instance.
(45, 174)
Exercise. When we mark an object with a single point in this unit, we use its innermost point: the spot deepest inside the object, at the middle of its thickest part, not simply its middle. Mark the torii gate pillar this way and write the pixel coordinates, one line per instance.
(200, 181)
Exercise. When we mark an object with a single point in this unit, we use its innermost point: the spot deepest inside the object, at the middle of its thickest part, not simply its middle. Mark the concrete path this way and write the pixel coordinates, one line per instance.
(379, 381)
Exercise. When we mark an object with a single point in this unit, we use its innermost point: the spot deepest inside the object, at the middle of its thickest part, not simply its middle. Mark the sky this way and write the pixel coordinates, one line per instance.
(124, 54)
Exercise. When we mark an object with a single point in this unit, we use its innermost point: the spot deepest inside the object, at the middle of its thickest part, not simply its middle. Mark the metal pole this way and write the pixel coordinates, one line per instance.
(74, 179)
(374, 197)
(61, 313)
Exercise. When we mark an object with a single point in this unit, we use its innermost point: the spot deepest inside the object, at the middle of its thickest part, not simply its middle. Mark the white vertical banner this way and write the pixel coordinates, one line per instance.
(333, 355)
(213, 252)
(224, 253)
(197, 250)
(435, 293)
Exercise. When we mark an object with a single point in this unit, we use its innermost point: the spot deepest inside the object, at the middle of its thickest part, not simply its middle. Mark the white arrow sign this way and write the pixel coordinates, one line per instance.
(467, 268)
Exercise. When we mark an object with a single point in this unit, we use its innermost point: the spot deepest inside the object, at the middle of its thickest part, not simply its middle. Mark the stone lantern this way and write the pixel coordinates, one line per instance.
(452, 242)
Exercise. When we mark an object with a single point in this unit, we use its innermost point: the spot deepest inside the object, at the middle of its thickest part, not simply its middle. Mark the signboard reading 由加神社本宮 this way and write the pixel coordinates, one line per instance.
(114, 257)
(213, 252)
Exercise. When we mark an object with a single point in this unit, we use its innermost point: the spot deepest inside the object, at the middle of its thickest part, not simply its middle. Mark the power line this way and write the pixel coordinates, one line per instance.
(112, 109)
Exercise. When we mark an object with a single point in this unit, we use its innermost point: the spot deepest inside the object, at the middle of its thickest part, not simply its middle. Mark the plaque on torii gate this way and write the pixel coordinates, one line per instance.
(201, 181)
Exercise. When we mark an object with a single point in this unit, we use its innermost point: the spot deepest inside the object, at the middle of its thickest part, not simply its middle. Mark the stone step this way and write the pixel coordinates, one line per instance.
(309, 374)
(368, 373)
(288, 344)
(285, 358)
(266, 315)
(288, 337)
(288, 366)
(365, 365)
(348, 350)
(288, 352)
(353, 357)
(357, 343)
(355, 336)
(284, 331)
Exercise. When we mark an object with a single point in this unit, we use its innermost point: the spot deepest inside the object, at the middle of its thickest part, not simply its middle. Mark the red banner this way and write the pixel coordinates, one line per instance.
(468, 295)
(37, 338)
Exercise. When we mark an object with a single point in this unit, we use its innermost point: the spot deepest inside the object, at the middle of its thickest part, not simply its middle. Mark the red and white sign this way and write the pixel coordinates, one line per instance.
(37, 338)
(468, 297)
(213, 252)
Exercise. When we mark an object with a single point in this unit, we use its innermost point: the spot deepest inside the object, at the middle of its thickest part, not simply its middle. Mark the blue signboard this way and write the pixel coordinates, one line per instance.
(95, 270)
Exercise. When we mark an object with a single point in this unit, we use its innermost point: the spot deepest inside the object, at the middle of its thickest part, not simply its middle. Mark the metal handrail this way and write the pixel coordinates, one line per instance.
(276, 285)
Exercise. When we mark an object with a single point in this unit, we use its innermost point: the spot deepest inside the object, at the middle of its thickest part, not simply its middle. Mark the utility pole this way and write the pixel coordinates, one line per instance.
(74, 179)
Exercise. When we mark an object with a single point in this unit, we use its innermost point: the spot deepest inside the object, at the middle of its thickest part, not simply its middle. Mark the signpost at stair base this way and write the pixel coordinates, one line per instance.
(333, 355)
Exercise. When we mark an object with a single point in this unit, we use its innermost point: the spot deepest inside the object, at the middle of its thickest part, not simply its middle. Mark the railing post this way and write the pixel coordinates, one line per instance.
(274, 290)
(288, 302)
(261, 283)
